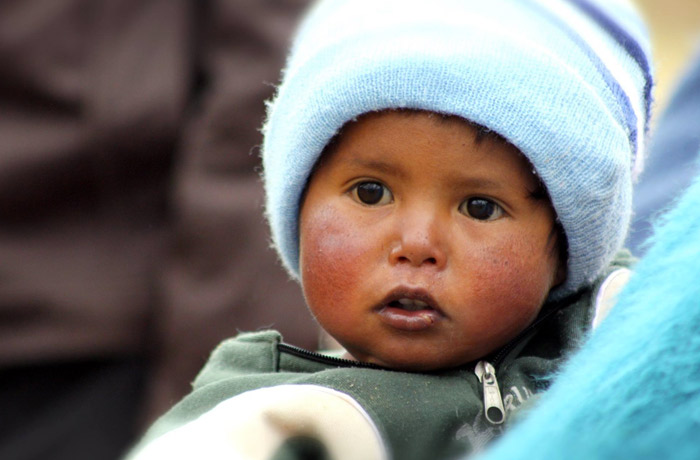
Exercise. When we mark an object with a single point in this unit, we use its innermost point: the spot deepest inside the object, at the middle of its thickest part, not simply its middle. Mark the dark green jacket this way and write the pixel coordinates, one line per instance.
(276, 388)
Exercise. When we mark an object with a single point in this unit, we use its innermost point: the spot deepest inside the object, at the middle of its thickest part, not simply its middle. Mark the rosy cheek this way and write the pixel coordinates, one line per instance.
(515, 280)
(331, 258)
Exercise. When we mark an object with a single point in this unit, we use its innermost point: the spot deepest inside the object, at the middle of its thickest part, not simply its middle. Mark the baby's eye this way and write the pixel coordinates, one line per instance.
(372, 193)
(481, 209)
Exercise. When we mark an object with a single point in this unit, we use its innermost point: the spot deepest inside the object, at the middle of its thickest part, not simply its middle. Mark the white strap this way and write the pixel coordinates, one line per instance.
(607, 294)
(253, 425)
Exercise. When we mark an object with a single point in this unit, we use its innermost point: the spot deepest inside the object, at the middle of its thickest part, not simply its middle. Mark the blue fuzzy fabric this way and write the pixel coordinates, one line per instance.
(633, 391)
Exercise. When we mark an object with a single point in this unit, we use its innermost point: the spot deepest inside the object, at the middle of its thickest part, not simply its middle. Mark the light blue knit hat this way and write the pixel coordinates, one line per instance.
(568, 82)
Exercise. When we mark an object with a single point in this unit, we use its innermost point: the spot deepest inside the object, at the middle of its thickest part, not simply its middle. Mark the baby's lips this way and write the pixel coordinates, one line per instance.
(410, 321)
(410, 298)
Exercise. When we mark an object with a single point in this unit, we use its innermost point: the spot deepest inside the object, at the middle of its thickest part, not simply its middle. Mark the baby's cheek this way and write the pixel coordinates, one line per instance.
(330, 256)
(516, 279)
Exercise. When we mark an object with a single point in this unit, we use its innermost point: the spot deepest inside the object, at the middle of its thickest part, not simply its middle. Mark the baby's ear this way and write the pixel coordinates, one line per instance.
(561, 273)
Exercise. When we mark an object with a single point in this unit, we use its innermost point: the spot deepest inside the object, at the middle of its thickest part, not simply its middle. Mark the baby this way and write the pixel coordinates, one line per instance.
(417, 264)
(450, 181)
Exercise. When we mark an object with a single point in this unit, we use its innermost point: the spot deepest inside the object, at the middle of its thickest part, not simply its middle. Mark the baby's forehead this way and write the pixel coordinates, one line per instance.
(367, 141)
(352, 130)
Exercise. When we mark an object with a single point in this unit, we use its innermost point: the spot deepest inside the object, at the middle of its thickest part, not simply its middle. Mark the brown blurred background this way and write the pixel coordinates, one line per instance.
(132, 239)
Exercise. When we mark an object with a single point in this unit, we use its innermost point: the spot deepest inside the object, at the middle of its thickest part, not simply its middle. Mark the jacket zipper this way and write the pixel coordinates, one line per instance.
(485, 370)
(494, 411)
(324, 359)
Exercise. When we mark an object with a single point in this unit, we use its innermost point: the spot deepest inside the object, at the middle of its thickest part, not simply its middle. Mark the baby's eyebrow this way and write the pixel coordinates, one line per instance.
(479, 183)
(377, 165)
(488, 185)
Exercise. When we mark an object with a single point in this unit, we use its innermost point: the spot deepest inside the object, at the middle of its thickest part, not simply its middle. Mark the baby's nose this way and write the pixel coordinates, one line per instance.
(420, 241)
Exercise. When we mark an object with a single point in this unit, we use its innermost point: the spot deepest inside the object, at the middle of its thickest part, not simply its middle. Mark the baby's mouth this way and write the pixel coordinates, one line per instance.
(409, 310)
(410, 304)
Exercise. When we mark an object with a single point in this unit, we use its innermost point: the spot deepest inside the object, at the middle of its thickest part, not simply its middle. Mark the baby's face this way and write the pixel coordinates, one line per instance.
(421, 248)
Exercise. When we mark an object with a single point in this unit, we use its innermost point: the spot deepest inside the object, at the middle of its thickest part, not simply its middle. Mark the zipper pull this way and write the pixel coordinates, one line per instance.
(493, 403)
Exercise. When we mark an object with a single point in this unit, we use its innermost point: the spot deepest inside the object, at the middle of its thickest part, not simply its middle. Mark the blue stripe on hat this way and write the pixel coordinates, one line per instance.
(611, 82)
(626, 41)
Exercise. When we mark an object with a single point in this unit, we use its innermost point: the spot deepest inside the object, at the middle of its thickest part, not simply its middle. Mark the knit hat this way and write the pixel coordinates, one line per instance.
(568, 82)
